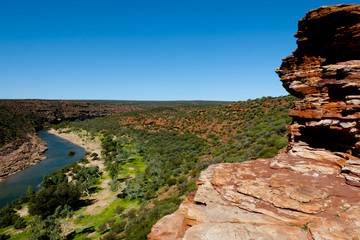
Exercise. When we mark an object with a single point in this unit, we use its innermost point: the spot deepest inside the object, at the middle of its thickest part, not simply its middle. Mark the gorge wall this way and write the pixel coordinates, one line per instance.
(20, 154)
(311, 191)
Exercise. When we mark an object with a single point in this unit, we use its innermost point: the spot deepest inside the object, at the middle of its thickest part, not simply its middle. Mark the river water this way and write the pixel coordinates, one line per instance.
(16, 185)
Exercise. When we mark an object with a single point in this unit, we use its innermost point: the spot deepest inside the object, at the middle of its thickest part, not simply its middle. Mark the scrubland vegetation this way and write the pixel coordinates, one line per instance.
(16, 127)
(151, 160)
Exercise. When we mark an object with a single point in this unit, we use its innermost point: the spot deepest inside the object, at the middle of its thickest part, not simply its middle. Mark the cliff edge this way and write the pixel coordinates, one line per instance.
(311, 191)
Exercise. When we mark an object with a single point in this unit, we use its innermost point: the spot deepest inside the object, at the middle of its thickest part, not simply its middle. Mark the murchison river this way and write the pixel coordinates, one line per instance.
(16, 185)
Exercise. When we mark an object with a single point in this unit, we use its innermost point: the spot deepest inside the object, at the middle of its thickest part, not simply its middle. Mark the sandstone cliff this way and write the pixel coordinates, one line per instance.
(311, 191)
(20, 154)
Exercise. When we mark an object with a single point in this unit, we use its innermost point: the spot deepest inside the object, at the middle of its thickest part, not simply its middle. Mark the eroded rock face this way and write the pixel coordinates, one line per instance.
(18, 155)
(324, 72)
(313, 190)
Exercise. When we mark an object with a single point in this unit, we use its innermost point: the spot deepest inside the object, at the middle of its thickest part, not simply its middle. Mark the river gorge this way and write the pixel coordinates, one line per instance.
(16, 185)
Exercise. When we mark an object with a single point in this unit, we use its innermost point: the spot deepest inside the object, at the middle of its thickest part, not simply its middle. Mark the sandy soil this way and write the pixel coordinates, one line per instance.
(23, 211)
(102, 199)
(88, 144)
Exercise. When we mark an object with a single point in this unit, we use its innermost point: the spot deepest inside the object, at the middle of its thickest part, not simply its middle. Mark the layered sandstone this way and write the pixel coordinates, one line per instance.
(311, 191)
(287, 197)
(18, 155)
(324, 72)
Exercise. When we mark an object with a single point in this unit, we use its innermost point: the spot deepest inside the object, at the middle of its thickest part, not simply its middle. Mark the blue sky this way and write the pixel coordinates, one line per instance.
(146, 50)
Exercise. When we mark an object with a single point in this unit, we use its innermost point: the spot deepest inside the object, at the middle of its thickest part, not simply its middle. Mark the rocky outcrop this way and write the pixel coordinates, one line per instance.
(18, 155)
(311, 191)
(287, 197)
(324, 72)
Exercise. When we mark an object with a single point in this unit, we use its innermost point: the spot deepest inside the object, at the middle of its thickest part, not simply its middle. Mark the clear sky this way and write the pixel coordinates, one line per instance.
(146, 50)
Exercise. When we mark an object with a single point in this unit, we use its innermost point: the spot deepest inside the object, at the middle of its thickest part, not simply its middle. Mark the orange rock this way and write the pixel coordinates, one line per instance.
(324, 72)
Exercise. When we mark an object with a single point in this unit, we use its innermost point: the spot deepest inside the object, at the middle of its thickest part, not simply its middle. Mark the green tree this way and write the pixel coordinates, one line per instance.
(87, 177)
(48, 199)
(63, 214)
(71, 153)
(20, 223)
(30, 191)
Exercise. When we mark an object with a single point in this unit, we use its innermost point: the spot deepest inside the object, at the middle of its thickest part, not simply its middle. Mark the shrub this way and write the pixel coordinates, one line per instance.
(102, 227)
(139, 227)
(71, 153)
(268, 152)
(181, 179)
(4, 236)
(19, 223)
(119, 210)
(171, 181)
(84, 160)
(118, 227)
(114, 185)
(95, 156)
(7, 216)
(48, 199)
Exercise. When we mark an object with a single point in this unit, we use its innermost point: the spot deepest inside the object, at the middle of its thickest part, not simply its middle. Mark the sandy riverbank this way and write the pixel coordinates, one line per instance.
(90, 145)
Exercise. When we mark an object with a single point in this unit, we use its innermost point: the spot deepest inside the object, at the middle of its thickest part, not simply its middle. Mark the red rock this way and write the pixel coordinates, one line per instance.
(18, 155)
(287, 197)
(324, 72)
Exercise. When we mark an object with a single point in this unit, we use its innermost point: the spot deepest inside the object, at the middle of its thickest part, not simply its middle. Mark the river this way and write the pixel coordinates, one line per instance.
(16, 185)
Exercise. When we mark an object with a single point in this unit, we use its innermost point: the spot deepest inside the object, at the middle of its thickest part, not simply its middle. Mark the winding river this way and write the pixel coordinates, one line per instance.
(16, 185)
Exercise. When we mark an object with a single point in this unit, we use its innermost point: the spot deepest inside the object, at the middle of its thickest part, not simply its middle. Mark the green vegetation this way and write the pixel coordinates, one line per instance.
(8, 216)
(236, 132)
(49, 198)
(151, 161)
(15, 127)
(175, 150)
(70, 153)
(53, 227)
(156, 104)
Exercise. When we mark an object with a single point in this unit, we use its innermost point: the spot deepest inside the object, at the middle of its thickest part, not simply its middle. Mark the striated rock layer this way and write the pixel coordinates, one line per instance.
(324, 72)
(312, 191)
(18, 155)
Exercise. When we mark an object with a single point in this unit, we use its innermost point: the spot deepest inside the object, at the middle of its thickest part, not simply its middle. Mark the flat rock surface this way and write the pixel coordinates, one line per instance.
(287, 197)
(235, 231)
